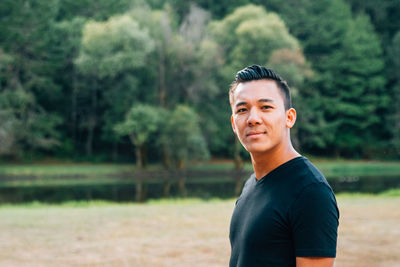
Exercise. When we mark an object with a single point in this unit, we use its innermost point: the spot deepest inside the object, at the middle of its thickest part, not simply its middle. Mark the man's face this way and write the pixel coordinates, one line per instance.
(259, 118)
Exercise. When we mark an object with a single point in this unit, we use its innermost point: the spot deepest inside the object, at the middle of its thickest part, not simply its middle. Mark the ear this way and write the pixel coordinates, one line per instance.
(290, 117)
(233, 125)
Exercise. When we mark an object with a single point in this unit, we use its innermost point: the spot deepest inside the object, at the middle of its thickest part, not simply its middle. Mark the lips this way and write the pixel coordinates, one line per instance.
(255, 133)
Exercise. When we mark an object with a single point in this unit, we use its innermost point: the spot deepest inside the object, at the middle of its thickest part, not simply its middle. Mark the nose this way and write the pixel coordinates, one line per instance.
(254, 117)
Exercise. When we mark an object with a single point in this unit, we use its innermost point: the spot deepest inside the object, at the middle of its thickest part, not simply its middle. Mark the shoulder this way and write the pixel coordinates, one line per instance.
(306, 174)
(313, 193)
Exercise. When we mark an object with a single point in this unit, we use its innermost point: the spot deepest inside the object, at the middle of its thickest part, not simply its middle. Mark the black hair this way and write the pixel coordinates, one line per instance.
(256, 72)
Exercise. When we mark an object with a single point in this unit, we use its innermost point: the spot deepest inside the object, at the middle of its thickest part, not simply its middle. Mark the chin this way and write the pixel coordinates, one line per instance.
(256, 148)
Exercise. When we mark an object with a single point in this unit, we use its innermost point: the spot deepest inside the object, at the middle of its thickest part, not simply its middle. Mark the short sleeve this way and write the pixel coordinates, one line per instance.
(314, 218)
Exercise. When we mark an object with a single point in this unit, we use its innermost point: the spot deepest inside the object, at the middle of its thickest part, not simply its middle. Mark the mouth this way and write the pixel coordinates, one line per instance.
(255, 134)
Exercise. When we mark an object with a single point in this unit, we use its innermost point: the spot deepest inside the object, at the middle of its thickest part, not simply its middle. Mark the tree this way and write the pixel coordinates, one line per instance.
(28, 90)
(140, 122)
(394, 79)
(185, 65)
(95, 9)
(179, 62)
(358, 102)
(249, 36)
(25, 128)
(183, 140)
(385, 16)
(109, 52)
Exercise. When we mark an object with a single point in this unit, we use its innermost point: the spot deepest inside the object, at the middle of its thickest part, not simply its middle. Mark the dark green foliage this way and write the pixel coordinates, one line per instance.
(360, 101)
(394, 79)
(71, 70)
(384, 16)
(95, 9)
(182, 138)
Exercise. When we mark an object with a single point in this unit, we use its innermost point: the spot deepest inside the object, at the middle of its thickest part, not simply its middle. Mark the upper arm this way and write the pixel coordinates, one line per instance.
(314, 223)
(314, 262)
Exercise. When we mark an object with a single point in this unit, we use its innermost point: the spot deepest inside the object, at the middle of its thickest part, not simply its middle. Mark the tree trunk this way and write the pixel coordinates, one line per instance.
(74, 113)
(161, 70)
(140, 190)
(140, 186)
(165, 159)
(92, 120)
(139, 160)
(89, 140)
(144, 156)
(167, 187)
(115, 151)
(182, 185)
(182, 179)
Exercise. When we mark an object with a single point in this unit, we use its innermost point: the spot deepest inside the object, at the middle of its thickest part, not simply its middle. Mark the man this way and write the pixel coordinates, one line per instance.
(286, 214)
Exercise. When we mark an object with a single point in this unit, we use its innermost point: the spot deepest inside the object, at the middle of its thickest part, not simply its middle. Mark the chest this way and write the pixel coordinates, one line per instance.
(260, 219)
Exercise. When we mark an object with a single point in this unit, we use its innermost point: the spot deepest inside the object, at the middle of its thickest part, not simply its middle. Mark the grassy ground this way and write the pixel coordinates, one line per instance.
(332, 167)
(175, 233)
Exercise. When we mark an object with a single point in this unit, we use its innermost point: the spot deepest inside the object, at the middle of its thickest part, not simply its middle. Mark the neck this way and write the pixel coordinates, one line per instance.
(264, 163)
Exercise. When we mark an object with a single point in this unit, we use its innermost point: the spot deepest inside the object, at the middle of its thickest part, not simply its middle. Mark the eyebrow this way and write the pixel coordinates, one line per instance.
(262, 100)
(266, 100)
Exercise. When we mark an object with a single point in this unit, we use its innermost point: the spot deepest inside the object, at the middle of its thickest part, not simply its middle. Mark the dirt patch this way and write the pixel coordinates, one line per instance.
(175, 234)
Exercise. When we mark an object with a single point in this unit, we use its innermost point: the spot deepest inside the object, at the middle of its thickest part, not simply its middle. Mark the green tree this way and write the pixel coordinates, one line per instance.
(183, 140)
(95, 9)
(25, 128)
(114, 46)
(183, 51)
(185, 65)
(110, 52)
(140, 122)
(28, 90)
(394, 79)
(358, 103)
(385, 16)
(249, 36)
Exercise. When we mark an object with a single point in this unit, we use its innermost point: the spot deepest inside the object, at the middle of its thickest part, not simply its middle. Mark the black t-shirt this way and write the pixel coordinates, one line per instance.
(291, 212)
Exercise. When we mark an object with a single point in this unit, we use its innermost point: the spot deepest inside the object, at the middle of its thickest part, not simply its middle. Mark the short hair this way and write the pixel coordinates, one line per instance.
(256, 72)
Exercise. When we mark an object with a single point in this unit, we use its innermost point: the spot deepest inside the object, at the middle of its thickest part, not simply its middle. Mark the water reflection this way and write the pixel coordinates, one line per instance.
(218, 185)
(364, 184)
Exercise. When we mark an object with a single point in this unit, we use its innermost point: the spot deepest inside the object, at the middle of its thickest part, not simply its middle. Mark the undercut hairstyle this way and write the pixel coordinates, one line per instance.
(256, 72)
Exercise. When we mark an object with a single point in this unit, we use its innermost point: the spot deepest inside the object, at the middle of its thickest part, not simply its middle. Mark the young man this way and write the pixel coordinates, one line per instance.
(286, 214)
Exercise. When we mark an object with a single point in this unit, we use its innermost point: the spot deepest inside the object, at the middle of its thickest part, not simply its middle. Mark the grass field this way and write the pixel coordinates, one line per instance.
(331, 168)
(175, 233)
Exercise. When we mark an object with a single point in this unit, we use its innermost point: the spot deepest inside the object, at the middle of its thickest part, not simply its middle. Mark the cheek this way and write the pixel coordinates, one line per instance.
(236, 126)
(277, 124)
(238, 121)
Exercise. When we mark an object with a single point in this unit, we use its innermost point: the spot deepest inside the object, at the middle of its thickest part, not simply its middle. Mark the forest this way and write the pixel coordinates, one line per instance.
(147, 81)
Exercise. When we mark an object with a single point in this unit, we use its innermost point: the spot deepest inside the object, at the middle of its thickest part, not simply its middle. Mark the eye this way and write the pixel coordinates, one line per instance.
(241, 110)
(266, 107)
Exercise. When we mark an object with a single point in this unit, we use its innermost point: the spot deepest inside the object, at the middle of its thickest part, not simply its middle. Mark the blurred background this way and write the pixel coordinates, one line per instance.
(127, 101)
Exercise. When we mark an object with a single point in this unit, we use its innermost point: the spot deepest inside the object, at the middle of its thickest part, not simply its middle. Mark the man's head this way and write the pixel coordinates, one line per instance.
(256, 72)
(261, 110)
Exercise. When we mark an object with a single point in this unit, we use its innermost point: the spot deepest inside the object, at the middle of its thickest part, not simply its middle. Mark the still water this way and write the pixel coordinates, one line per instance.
(202, 187)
